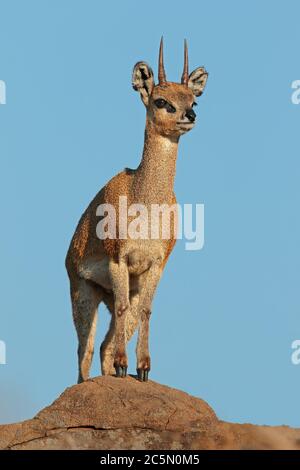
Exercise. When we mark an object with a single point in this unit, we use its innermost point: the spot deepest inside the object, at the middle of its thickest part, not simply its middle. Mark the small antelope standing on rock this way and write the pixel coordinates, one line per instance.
(123, 272)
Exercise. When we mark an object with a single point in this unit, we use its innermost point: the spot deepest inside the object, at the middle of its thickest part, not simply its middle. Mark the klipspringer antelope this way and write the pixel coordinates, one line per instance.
(124, 272)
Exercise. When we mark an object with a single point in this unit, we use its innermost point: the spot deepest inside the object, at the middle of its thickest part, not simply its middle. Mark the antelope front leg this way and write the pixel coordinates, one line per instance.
(150, 283)
(120, 284)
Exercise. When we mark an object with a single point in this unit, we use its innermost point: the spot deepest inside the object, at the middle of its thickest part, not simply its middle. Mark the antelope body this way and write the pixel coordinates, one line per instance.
(124, 273)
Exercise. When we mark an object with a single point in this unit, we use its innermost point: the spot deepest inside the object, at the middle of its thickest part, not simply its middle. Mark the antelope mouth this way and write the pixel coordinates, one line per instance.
(185, 125)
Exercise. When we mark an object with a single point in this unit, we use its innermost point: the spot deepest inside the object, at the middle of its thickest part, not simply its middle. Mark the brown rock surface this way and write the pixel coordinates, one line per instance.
(110, 413)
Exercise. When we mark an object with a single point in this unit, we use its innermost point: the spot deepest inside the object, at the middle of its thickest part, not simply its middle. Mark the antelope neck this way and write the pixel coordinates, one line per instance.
(154, 178)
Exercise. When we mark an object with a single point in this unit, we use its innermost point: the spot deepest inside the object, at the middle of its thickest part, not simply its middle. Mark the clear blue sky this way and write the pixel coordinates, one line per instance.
(224, 317)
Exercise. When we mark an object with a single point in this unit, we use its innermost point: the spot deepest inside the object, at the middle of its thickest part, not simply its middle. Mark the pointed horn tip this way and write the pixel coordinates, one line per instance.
(161, 70)
(185, 73)
(161, 44)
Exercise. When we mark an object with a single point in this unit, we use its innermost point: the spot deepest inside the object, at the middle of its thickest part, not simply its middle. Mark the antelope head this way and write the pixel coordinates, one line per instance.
(170, 106)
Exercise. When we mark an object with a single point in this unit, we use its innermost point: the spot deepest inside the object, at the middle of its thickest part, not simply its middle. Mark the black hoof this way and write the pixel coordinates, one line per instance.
(142, 375)
(121, 371)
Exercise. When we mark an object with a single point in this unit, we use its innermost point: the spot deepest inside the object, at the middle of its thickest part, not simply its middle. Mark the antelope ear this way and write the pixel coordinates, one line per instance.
(197, 80)
(143, 80)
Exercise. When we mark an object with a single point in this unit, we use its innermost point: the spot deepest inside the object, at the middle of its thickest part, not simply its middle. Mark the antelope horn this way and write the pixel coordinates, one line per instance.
(161, 70)
(185, 74)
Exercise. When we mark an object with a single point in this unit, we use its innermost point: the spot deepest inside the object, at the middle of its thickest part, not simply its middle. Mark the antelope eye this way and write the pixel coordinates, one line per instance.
(160, 103)
(170, 108)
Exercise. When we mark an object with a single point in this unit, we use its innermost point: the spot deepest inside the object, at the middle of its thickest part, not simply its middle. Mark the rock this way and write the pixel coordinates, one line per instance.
(111, 413)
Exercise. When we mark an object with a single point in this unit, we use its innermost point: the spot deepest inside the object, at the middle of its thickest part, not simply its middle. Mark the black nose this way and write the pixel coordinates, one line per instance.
(191, 115)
